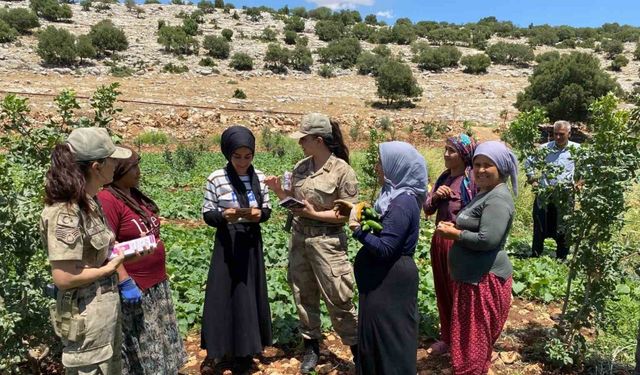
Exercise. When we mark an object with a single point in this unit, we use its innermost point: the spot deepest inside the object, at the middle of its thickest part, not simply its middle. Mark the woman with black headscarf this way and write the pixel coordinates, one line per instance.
(236, 322)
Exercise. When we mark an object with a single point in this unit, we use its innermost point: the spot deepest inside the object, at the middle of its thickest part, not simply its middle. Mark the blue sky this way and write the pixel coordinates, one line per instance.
(521, 12)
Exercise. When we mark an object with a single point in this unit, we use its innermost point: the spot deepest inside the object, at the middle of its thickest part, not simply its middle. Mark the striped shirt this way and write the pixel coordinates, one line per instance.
(219, 194)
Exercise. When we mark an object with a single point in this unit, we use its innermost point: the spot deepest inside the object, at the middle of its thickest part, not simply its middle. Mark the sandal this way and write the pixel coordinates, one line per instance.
(438, 348)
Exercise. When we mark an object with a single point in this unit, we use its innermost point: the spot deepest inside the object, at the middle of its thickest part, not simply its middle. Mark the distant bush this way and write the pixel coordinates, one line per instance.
(343, 52)
(220, 4)
(190, 26)
(20, 19)
(241, 61)
(636, 52)
(56, 46)
(362, 31)
(510, 53)
(403, 33)
(7, 33)
(216, 46)
(151, 2)
(612, 47)
(85, 48)
(253, 14)
(476, 64)
(294, 23)
(175, 40)
(51, 10)
(206, 6)
(566, 87)
(152, 138)
(329, 30)
(176, 69)
(449, 35)
(277, 58)
(395, 82)
(381, 50)
(85, 5)
(543, 35)
(239, 94)
(368, 63)
(290, 37)
(227, 34)
(547, 56)
(383, 35)
(371, 19)
(435, 59)
(619, 62)
(121, 71)
(301, 58)
(106, 37)
(177, 2)
(300, 12)
(326, 71)
(269, 35)
(320, 13)
(207, 61)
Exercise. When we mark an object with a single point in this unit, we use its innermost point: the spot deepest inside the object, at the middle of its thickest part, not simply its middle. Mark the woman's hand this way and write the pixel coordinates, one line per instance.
(308, 211)
(448, 230)
(230, 215)
(273, 183)
(443, 192)
(114, 263)
(254, 215)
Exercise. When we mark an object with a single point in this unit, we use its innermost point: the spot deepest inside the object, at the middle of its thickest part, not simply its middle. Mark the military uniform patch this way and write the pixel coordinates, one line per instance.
(67, 235)
(66, 220)
(351, 189)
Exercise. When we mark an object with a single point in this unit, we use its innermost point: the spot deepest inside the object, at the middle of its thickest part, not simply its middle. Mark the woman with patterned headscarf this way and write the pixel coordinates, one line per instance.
(386, 274)
(236, 321)
(453, 190)
(479, 266)
(151, 339)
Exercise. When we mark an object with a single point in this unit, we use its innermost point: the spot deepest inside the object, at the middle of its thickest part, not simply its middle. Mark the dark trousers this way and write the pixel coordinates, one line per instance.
(546, 222)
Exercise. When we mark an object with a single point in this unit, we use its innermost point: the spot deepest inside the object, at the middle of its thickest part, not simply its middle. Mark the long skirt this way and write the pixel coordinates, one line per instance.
(443, 285)
(152, 342)
(387, 315)
(236, 319)
(478, 316)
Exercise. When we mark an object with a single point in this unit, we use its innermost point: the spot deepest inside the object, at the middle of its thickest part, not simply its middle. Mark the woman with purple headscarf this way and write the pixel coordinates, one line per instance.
(386, 274)
(479, 266)
(453, 190)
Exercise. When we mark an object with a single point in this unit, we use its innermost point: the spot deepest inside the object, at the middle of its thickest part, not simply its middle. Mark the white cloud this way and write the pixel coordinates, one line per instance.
(385, 14)
(347, 4)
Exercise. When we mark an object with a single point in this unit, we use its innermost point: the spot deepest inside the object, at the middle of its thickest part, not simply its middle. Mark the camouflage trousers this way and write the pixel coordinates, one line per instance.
(97, 349)
(319, 268)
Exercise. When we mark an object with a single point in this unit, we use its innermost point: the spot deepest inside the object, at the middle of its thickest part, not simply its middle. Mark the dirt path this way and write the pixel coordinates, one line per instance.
(516, 351)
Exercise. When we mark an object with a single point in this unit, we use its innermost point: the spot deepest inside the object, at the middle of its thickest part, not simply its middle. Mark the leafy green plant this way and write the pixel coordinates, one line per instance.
(476, 64)
(174, 68)
(326, 71)
(395, 82)
(56, 46)
(239, 94)
(106, 37)
(217, 46)
(241, 61)
(152, 138)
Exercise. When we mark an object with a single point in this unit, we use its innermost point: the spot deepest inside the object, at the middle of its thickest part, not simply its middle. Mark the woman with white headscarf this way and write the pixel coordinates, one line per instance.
(386, 274)
(478, 264)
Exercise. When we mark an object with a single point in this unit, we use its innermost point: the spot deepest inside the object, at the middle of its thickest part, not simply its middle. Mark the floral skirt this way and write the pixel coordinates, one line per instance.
(152, 342)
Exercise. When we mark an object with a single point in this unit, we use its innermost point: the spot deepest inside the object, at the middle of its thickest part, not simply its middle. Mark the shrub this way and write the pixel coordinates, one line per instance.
(152, 138)
(220, 4)
(7, 33)
(547, 56)
(395, 81)
(510, 53)
(216, 46)
(253, 14)
(329, 30)
(436, 59)
(56, 46)
(241, 61)
(300, 12)
(84, 47)
(619, 62)
(190, 26)
(152, 1)
(383, 35)
(612, 47)
(227, 34)
(362, 31)
(301, 58)
(382, 50)
(86, 4)
(172, 68)
(326, 71)
(343, 52)
(277, 58)
(207, 61)
(175, 40)
(476, 64)
(371, 19)
(368, 63)
(106, 37)
(121, 71)
(51, 10)
(566, 87)
(403, 33)
(239, 94)
(206, 6)
(290, 37)
(177, 2)
(543, 35)
(294, 23)
(21, 19)
(636, 53)
(269, 35)
(320, 13)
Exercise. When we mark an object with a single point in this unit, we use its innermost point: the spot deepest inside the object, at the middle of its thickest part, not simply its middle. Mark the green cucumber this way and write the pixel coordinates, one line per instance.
(365, 228)
(377, 227)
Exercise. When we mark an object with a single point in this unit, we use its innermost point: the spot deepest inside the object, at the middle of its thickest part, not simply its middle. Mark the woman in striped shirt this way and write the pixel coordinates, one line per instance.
(236, 322)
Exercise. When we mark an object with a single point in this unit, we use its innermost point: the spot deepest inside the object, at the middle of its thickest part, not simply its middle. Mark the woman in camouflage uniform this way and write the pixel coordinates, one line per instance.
(318, 263)
(87, 311)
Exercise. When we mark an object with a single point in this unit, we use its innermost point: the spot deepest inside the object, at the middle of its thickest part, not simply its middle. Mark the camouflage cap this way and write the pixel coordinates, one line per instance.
(315, 124)
(94, 144)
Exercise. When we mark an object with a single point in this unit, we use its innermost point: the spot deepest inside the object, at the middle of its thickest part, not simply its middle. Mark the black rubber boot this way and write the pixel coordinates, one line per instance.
(311, 355)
